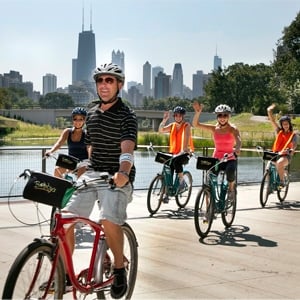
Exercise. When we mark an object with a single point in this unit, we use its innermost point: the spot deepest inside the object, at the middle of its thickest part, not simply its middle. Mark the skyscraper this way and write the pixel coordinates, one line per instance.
(199, 82)
(83, 66)
(49, 83)
(118, 58)
(217, 62)
(147, 79)
(162, 86)
(155, 71)
(177, 81)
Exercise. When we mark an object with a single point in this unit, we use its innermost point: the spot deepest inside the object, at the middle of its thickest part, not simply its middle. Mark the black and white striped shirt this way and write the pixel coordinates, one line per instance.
(105, 132)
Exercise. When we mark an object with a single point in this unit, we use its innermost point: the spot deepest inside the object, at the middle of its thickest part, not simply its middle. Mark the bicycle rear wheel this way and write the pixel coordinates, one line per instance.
(130, 262)
(183, 197)
(265, 189)
(204, 212)
(282, 192)
(229, 211)
(30, 273)
(155, 194)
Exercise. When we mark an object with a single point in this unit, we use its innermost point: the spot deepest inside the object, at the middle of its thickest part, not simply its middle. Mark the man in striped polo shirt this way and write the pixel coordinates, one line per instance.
(112, 137)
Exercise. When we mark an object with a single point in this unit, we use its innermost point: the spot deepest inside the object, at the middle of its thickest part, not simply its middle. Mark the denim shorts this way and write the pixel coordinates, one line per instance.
(112, 202)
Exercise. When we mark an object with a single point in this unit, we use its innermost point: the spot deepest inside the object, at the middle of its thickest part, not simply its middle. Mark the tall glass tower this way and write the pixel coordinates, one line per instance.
(177, 81)
(84, 65)
(147, 79)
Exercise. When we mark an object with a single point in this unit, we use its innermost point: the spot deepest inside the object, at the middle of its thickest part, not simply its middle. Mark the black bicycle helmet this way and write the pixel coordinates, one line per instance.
(109, 69)
(79, 111)
(179, 109)
(286, 118)
(223, 108)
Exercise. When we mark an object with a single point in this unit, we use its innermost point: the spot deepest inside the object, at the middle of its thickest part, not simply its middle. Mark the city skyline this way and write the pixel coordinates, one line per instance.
(40, 38)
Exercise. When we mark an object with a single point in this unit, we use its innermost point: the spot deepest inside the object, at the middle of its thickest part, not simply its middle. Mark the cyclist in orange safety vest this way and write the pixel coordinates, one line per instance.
(285, 142)
(180, 139)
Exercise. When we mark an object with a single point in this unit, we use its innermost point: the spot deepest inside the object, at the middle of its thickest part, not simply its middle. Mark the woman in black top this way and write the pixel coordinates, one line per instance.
(75, 138)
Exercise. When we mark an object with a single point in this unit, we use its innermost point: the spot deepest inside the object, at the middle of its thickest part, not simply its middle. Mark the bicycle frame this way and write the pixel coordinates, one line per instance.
(63, 249)
(170, 182)
(213, 198)
(270, 181)
(166, 184)
(218, 186)
(274, 177)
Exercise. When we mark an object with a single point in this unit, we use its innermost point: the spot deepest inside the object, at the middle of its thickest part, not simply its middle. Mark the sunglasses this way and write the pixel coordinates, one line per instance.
(222, 115)
(108, 80)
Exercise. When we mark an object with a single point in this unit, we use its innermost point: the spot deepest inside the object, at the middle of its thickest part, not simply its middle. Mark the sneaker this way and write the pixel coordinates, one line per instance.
(119, 286)
(281, 185)
(165, 199)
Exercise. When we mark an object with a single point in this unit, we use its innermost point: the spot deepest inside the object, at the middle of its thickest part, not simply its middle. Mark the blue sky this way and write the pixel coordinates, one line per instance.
(41, 36)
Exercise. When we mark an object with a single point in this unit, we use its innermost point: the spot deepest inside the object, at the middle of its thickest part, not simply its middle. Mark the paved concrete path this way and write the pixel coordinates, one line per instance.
(257, 258)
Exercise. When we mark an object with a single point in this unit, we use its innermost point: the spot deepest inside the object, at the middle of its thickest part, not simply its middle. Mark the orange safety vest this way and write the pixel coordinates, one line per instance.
(177, 139)
(283, 141)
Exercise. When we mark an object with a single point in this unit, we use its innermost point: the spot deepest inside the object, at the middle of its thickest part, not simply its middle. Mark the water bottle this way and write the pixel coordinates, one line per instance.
(100, 255)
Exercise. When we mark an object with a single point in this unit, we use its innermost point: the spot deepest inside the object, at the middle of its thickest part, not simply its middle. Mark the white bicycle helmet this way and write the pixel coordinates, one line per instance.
(223, 108)
(109, 69)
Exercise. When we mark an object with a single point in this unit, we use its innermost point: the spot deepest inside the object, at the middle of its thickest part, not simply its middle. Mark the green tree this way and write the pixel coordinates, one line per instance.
(245, 88)
(287, 64)
(56, 100)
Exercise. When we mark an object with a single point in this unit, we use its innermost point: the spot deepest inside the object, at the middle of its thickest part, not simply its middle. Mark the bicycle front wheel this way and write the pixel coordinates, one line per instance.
(130, 262)
(230, 208)
(155, 194)
(265, 189)
(30, 273)
(282, 192)
(204, 212)
(183, 197)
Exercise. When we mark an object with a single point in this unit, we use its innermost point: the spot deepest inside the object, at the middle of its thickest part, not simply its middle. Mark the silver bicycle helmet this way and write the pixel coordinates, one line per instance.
(223, 108)
(79, 111)
(109, 69)
(179, 109)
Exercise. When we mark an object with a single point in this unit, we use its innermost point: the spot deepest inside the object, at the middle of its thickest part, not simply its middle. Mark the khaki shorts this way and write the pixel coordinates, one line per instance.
(112, 202)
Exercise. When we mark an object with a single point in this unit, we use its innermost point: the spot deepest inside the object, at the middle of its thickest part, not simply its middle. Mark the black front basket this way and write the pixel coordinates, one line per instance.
(47, 189)
(67, 161)
(205, 163)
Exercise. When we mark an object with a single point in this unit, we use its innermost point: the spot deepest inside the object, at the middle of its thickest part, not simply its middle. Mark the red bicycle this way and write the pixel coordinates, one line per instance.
(39, 271)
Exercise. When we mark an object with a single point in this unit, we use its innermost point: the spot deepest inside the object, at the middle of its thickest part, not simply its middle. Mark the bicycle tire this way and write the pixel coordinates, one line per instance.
(131, 254)
(282, 192)
(265, 189)
(183, 198)
(204, 212)
(228, 214)
(155, 194)
(31, 269)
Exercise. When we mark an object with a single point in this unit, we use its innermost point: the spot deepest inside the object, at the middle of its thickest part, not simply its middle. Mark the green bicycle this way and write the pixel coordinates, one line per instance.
(270, 182)
(213, 198)
(165, 184)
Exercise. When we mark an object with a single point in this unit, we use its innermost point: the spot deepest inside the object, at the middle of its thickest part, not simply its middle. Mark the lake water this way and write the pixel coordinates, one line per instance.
(13, 162)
